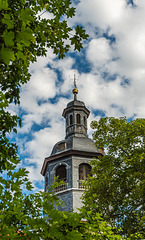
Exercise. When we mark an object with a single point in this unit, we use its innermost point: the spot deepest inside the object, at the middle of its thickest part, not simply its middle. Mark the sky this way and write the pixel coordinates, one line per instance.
(110, 72)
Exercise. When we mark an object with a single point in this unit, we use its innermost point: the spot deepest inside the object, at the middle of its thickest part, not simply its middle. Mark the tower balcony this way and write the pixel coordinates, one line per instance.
(61, 187)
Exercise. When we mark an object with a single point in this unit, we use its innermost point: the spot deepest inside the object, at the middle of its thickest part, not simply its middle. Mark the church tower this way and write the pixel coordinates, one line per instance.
(70, 158)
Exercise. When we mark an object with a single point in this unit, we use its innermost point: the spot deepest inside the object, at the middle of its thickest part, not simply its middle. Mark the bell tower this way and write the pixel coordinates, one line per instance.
(70, 158)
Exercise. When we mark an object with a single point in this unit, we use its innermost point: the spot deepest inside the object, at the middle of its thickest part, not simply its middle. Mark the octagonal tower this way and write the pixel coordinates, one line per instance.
(70, 158)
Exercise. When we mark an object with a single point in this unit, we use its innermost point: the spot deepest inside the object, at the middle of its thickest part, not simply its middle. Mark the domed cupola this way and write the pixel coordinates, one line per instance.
(76, 115)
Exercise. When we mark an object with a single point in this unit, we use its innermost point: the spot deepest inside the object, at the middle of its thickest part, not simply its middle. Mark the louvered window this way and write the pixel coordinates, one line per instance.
(61, 173)
(84, 171)
(78, 118)
(85, 121)
(71, 119)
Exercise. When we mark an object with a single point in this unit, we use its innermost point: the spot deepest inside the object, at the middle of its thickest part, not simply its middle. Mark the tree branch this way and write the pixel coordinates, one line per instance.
(125, 152)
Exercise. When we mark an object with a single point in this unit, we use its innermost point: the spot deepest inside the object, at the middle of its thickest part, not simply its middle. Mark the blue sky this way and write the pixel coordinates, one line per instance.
(110, 71)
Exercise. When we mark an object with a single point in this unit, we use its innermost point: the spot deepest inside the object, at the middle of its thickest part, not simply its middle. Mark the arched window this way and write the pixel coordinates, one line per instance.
(84, 171)
(67, 121)
(78, 118)
(46, 183)
(85, 121)
(71, 119)
(61, 173)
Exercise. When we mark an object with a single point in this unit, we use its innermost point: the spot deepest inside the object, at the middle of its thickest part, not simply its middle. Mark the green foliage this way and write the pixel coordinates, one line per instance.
(96, 227)
(35, 216)
(117, 188)
(13, 207)
(25, 34)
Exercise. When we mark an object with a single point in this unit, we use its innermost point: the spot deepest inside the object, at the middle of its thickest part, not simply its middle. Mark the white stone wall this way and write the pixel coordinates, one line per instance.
(77, 202)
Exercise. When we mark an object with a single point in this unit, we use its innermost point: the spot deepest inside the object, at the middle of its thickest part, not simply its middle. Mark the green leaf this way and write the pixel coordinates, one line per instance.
(4, 5)
(14, 130)
(7, 55)
(26, 15)
(29, 186)
(8, 38)
(7, 20)
(20, 55)
(19, 47)
(26, 36)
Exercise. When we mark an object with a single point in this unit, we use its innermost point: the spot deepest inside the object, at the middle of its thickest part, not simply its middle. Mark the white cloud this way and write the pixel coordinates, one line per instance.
(42, 141)
(99, 51)
(41, 87)
(40, 147)
(100, 13)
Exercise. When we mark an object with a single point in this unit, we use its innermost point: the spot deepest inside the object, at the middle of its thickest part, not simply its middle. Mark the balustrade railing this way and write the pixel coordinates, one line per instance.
(61, 187)
(80, 184)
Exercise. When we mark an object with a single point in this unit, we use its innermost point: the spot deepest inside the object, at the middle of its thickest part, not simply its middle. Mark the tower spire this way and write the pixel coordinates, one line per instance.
(75, 90)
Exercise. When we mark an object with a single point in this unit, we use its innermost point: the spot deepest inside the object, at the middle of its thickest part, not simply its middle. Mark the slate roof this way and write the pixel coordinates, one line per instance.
(76, 143)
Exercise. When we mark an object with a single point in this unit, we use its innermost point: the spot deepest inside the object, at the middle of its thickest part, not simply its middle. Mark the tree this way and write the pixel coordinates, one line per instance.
(117, 187)
(24, 35)
(35, 217)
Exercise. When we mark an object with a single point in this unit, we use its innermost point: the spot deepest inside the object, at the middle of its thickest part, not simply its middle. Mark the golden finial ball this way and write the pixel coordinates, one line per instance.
(75, 91)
